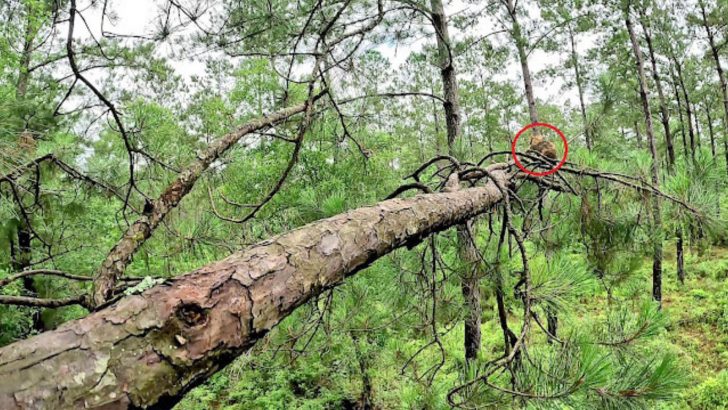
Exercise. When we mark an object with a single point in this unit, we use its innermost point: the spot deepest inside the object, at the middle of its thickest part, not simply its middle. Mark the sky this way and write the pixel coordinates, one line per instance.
(135, 17)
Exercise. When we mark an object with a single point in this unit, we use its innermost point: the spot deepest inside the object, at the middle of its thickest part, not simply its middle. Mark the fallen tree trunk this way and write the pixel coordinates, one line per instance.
(147, 350)
(137, 233)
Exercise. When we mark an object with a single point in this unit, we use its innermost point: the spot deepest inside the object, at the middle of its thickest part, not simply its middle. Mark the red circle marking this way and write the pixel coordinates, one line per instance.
(551, 127)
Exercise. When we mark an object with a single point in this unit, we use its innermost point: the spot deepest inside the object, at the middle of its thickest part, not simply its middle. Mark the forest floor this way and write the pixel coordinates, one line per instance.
(698, 310)
(698, 326)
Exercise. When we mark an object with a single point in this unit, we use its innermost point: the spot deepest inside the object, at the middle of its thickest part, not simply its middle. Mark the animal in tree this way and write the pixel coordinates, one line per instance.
(543, 146)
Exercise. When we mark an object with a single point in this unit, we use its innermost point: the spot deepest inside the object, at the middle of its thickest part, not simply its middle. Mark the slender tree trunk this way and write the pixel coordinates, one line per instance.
(470, 283)
(365, 398)
(678, 99)
(638, 135)
(688, 103)
(580, 89)
(711, 132)
(26, 142)
(680, 259)
(447, 74)
(657, 219)
(721, 76)
(696, 117)
(664, 112)
(148, 349)
(521, 47)
(521, 44)
(664, 118)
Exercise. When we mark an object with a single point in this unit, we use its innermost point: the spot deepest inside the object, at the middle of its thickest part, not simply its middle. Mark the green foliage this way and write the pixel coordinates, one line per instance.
(711, 394)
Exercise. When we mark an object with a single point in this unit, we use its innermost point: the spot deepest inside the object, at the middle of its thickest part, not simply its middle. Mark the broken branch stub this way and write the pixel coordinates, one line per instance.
(147, 350)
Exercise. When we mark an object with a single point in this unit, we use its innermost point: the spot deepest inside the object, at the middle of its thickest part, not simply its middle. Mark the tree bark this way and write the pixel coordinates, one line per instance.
(148, 349)
(678, 99)
(470, 282)
(721, 75)
(121, 254)
(680, 256)
(657, 219)
(688, 103)
(638, 135)
(447, 73)
(521, 45)
(711, 132)
(26, 142)
(697, 125)
(664, 112)
(580, 89)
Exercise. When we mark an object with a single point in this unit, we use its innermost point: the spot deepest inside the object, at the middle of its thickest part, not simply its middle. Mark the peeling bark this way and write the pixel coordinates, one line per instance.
(121, 254)
(148, 349)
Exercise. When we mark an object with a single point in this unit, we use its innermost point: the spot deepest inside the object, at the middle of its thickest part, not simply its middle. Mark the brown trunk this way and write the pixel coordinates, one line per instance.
(645, 97)
(121, 254)
(24, 70)
(365, 398)
(721, 76)
(26, 143)
(688, 106)
(638, 135)
(679, 252)
(470, 282)
(509, 338)
(696, 116)
(580, 89)
(680, 115)
(148, 349)
(664, 112)
(447, 73)
(711, 132)
(521, 44)
(470, 287)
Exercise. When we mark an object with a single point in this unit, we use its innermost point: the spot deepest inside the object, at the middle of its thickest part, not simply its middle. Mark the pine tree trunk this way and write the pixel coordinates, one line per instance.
(678, 99)
(711, 132)
(638, 135)
(664, 112)
(470, 282)
(656, 217)
(688, 104)
(26, 141)
(697, 125)
(721, 75)
(680, 258)
(148, 349)
(521, 44)
(580, 88)
(366, 396)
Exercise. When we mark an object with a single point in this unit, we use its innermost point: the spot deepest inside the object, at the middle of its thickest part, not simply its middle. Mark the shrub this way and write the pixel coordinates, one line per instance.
(711, 394)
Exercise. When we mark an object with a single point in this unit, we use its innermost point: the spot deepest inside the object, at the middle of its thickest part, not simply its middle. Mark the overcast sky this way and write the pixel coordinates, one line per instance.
(136, 17)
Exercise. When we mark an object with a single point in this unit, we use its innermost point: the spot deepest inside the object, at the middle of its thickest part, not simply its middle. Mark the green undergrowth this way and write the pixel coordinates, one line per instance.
(328, 374)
